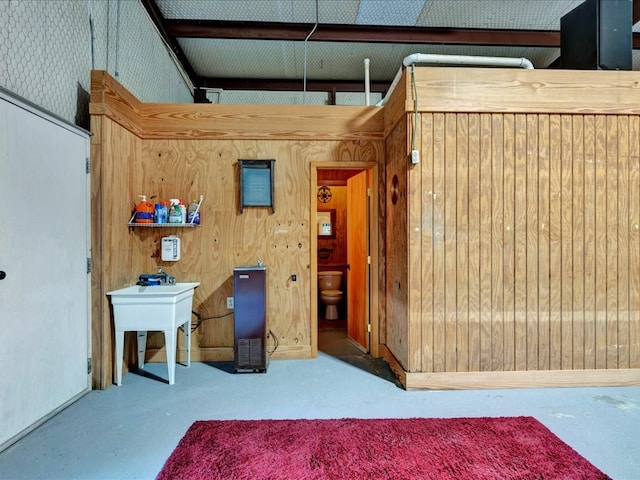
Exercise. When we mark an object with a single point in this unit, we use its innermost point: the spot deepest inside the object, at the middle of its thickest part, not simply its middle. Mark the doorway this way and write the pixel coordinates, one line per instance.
(352, 239)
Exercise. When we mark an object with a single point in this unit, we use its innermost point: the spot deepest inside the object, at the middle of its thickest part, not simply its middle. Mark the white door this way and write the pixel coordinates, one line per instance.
(45, 287)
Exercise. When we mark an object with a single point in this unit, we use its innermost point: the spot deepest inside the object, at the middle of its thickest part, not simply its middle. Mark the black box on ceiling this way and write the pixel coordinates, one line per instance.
(597, 35)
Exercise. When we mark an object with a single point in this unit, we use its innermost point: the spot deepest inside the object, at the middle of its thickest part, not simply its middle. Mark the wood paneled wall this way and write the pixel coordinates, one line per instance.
(183, 151)
(397, 260)
(530, 229)
(523, 230)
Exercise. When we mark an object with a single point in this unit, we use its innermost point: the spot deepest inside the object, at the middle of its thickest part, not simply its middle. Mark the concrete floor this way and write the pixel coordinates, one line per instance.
(128, 432)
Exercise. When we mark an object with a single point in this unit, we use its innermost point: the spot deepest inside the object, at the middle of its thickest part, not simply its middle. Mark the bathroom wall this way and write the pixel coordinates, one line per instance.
(337, 243)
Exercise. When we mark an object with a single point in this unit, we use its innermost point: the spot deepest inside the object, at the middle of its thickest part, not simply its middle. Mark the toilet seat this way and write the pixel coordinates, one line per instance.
(331, 293)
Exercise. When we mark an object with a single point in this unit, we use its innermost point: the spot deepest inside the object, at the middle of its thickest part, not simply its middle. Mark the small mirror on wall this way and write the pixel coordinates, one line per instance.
(327, 223)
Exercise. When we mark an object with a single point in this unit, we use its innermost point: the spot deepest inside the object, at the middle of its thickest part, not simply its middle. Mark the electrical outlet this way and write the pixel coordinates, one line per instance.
(230, 303)
(294, 277)
(415, 156)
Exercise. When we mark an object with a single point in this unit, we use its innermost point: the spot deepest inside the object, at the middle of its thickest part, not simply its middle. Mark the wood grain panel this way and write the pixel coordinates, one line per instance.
(450, 243)
(509, 244)
(533, 243)
(485, 251)
(428, 230)
(536, 283)
(566, 244)
(520, 232)
(474, 222)
(601, 242)
(555, 243)
(108, 97)
(613, 246)
(270, 122)
(514, 90)
(439, 239)
(415, 253)
(590, 247)
(623, 241)
(499, 229)
(397, 275)
(544, 201)
(634, 242)
(462, 243)
(578, 243)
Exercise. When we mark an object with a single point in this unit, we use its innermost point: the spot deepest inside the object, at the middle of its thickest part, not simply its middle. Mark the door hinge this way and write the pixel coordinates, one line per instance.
(88, 365)
(368, 328)
(88, 264)
(88, 165)
(368, 259)
(368, 192)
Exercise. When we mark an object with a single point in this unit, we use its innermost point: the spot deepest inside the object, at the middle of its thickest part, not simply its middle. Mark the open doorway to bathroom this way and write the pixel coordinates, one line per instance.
(344, 245)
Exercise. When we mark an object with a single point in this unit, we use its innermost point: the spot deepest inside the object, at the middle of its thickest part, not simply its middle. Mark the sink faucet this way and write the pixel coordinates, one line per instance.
(166, 278)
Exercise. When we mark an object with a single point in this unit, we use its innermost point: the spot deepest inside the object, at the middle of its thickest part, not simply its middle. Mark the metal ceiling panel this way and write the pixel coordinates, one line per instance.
(295, 11)
(265, 39)
(491, 14)
(496, 14)
(325, 60)
(381, 12)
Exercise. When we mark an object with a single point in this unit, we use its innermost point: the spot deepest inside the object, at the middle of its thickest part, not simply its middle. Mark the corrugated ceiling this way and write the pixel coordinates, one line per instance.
(279, 44)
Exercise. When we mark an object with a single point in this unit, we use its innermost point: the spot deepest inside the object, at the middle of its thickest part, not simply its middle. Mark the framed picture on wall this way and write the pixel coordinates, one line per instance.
(256, 184)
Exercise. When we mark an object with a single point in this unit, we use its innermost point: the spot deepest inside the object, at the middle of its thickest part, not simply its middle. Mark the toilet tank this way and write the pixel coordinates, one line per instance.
(330, 280)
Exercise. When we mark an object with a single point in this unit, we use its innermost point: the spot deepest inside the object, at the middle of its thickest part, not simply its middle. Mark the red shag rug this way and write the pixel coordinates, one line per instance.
(413, 448)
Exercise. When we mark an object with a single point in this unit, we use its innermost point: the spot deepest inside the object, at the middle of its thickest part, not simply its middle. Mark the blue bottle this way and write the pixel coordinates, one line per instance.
(160, 214)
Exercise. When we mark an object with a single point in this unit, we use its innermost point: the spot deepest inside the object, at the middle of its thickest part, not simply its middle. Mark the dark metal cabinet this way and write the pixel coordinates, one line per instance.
(250, 311)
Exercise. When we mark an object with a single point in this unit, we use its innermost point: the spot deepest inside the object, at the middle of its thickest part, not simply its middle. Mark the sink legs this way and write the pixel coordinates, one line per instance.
(170, 339)
(142, 347)
(119, 354)
(170, 343)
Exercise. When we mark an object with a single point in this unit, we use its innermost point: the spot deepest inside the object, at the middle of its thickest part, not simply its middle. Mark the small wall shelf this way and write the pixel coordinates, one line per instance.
(163, 225)
(132, 221)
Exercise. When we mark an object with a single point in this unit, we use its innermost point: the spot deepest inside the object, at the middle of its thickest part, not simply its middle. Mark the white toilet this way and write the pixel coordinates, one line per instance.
(329, 284)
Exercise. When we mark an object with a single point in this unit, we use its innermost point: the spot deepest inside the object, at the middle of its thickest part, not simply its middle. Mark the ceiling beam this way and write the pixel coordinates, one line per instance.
(358, 33)
(291, 85)
(158, 19)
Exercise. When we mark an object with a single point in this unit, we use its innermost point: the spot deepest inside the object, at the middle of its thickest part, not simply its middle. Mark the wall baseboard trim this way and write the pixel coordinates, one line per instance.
(511, 379)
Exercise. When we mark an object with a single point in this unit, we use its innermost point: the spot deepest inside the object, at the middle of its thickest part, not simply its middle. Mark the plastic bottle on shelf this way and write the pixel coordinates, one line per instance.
(183, 211)
(193, 215)
(160, 214)
(144, 211)
(175, 215)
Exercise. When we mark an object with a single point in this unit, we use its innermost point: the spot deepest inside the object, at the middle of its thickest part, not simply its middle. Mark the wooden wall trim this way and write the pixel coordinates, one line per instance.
(522, 379)
(229, 122)
(395, 107)
(469, 89)
(109, 98)
(272, 122)
(510, 379)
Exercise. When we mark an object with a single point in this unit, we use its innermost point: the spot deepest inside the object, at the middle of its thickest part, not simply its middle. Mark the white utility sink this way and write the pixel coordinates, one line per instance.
(155, 308)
